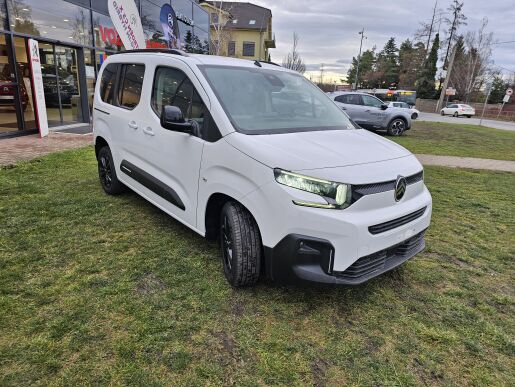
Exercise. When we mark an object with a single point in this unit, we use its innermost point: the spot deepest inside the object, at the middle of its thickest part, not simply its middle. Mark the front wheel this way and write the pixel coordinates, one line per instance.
(414, 116)
(240, 243)
(442, 113)
(396, 127)
(455, 114)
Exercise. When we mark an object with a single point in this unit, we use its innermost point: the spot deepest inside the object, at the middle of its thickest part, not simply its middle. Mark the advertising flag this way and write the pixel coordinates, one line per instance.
(170, 27)
(125, 17)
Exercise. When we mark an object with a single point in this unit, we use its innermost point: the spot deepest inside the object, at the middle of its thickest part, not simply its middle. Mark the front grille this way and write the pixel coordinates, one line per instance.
(361, 190)
(383, 260)
(391, 224)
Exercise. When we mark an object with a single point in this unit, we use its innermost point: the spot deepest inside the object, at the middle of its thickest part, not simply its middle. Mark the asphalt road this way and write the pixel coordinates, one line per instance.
(504, 125)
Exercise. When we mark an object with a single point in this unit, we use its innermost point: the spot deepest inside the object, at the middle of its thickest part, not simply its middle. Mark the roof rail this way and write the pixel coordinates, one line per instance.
(172, 51)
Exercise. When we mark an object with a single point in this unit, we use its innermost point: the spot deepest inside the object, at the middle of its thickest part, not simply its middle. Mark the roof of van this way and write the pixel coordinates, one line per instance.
(203, 59)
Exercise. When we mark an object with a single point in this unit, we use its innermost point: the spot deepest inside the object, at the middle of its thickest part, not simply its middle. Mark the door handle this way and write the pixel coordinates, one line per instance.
(133, 125)
(148, 131)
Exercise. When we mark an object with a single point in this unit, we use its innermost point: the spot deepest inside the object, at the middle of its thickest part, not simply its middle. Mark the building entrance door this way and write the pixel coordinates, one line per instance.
(61, 82)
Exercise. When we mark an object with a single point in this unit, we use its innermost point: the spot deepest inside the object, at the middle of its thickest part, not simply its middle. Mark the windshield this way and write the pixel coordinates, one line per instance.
(263, 101)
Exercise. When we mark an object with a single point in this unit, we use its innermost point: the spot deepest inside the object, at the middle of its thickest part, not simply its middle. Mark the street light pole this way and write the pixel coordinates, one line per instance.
(362, 33)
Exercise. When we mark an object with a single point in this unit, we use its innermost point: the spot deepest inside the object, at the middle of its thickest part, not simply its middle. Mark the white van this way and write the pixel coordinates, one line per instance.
(258, 157)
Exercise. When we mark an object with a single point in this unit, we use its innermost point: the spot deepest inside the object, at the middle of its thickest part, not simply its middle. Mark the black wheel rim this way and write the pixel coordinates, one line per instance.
(397, 127)
(105, 171)
(227, 243)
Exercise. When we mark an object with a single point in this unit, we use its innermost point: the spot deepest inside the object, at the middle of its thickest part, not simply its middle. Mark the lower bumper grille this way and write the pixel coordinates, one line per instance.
(384, 260)
(390, 225)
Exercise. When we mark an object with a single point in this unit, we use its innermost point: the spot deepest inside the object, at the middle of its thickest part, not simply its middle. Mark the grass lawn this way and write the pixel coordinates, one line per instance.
(437, 138)
(110, 290)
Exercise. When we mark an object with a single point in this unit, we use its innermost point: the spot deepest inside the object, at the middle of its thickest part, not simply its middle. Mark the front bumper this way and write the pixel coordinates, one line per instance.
(300, 258)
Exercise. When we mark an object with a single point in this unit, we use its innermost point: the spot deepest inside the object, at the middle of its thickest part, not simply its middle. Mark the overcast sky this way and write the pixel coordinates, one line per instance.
(328, 29)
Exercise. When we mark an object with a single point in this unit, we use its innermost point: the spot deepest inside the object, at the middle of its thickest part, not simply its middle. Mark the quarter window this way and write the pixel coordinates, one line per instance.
(107, 82)
(131, 85)
(173, 87)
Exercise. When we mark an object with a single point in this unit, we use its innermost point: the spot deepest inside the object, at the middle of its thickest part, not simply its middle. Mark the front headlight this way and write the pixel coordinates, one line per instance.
(337, 195)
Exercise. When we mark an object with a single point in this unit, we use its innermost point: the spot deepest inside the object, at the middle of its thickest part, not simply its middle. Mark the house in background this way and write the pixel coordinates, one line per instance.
(240, 30)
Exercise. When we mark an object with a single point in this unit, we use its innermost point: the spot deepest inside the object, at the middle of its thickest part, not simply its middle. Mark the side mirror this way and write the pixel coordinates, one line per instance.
(173, 119)
(384, 106)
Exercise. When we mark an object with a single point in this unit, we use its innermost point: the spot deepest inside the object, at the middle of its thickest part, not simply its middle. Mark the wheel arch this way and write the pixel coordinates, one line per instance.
(100, 142)
(213, 210)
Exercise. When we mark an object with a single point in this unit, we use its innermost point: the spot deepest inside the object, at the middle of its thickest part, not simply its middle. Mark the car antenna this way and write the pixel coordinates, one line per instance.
(257, 63)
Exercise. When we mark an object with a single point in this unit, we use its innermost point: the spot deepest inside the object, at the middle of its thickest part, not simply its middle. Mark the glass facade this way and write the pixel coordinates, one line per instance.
(75, 37)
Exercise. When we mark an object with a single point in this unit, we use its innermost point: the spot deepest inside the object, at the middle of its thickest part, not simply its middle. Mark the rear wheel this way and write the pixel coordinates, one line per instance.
(469, 116)
(396, 127)
(107, 172)
(240, 243)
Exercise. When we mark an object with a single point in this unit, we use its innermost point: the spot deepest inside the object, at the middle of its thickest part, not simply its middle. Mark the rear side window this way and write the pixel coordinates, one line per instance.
(131, 83)
(108, 82)
(351, 99)
(173, 87)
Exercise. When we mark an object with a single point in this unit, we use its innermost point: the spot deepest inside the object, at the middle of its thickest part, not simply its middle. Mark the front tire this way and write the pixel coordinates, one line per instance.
(455, 114)
(414, 116)
(107, 172)
(442, 113)
(240, 243)
(396, 127)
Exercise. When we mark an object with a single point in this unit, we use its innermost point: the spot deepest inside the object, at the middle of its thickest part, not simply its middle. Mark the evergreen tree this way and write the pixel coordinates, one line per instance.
(387, 65)
(365, 67)
(426, 81)
(411, 60)
(498, 91)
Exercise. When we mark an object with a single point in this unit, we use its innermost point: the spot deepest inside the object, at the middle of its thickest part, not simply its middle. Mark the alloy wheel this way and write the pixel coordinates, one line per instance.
(105, 171)
(227, 243)
(397, 127)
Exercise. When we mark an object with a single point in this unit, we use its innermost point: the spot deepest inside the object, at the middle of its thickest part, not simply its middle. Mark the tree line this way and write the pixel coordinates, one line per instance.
(414, 65)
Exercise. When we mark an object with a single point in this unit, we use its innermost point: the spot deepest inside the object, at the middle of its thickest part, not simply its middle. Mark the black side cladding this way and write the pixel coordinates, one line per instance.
(153, 184)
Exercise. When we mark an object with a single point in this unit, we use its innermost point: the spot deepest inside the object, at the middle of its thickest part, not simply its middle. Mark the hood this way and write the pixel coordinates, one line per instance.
(317, 149)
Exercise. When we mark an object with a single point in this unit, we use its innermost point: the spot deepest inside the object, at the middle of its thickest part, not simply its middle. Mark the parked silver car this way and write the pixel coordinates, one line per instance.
(371, 113)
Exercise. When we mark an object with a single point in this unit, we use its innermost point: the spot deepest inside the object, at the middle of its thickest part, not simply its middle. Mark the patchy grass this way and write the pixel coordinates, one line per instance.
(444, 139)
(110, 290)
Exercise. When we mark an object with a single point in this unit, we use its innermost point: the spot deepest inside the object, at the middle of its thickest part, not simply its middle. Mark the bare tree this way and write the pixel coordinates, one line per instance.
(457, 18)
(473, 62)
(221, 32)
(427, 29)
(293, 61)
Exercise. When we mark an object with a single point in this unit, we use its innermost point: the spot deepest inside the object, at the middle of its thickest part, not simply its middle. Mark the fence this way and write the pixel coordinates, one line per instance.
(491, 110)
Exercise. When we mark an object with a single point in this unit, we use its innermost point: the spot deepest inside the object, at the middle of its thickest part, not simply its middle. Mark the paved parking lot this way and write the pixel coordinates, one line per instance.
(433, 117)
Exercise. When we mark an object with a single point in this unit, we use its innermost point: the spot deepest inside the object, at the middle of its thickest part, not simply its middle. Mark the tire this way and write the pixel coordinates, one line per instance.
(469, 116)
(414, 116)
(442, 113)
(396, 127)
(240, 244)
(455, 114)
(107, 172)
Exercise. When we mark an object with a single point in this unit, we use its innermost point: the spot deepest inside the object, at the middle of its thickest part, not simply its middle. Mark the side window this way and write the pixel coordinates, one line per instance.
(173, 87)
(107, 82)
(131, 83)
(371, 101)
(340, 98)
(353, 99)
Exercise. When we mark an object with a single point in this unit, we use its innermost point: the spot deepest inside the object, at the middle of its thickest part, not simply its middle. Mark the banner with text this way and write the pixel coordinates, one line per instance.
(125, 17)
(37, 86)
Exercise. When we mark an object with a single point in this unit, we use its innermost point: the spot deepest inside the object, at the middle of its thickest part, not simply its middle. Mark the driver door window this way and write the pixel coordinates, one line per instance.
(173, 87)
(371, 101)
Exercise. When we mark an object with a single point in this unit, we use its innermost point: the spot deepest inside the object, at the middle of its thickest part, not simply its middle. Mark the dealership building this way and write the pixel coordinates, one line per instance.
(74, 38)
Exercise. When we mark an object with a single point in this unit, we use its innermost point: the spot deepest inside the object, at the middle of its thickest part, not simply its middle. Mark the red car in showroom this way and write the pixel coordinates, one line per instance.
(7, 92)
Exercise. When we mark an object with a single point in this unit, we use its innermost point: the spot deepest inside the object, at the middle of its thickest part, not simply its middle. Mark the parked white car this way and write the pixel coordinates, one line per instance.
(457, 110)
(258, 157)
(403, 105)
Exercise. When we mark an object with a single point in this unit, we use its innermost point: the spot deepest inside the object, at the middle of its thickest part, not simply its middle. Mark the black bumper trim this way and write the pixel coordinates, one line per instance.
(303, 259)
